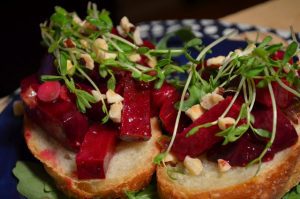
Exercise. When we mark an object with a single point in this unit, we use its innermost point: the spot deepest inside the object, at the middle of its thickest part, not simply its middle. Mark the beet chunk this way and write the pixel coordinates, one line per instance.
(62, 121)
(205, 138)
(96, 151)
(250, 146)
(163, 101)
(282, 96)
(135, 122)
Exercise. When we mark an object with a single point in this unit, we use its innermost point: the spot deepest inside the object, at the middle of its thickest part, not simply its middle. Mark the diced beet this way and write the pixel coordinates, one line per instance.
(66, 95)
(166, 93)
(148, 44)
(286, 134)
(168, 114)
(205, 138)
(283, 97)
(48, 91)
(240, 152)
(163, 101)
(135, 122)
(62, 121)
(29, 87)
(250, 146)
(279, 55)
(96, 151)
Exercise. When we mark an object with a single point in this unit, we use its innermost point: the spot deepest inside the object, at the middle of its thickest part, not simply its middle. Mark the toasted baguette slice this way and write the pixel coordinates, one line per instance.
(130, 168)
(274, 179)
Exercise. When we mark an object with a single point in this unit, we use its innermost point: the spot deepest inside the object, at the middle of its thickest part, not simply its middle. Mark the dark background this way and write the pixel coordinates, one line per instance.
(20, 37)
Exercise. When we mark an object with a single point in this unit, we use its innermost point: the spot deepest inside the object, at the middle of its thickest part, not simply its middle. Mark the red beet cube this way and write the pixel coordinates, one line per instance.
(62, 121)
(283, 97)
(164, 94)
(29, 88)
(205, 138)
(135, 122)
(96, 151)
(250, 146)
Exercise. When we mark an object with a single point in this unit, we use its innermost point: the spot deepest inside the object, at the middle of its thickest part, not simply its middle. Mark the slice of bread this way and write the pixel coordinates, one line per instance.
(274, 179)
(130, 168)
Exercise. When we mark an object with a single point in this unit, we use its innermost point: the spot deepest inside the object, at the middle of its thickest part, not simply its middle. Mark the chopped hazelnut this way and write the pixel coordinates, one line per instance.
(152, 61)
(225, 122)
(84, 43)
(170, 158)
(137, 37)
(88, 61)
(215, 61)
(134, 57)
(115, 112)
(193, 165)
(211, 99)
(98, 96)
(125, 24)
(195, 112)
(113, 97)
(223, 165)
(100, 44)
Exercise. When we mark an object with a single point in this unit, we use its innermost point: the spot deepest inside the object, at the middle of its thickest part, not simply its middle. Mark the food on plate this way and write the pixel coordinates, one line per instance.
(110, 108)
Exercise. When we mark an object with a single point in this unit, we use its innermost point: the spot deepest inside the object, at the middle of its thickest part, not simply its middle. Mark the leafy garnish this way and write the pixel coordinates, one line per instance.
(148, 193)
(159, 158)
(294, 193)
(34, 183)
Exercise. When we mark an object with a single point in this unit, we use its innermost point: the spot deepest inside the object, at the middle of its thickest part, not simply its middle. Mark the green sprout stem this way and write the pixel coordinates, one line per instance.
(274, 125)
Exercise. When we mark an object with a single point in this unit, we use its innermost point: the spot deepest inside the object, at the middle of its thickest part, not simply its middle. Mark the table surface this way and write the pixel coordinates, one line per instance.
(278, 14)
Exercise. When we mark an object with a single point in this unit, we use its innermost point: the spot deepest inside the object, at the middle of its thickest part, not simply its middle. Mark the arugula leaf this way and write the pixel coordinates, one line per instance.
(293, 193)
(34, 183)
(148, 193)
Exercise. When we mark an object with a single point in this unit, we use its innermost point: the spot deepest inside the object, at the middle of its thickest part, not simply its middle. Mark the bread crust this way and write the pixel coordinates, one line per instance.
(270, 184)
(114, 187)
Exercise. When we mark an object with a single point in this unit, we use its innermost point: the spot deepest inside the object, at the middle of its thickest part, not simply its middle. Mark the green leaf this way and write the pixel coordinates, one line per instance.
(34, 183)
(262, 132)
(123, 46)
(265, 42)
(290, 52)
(184, 34)
(80, 105)
(148, 193)
(51, 78)
(103, 73)
(143, 50)
(294, 193)
(193, 42)
(163, 62)
(262, 83)
(159, 158)
(53, 46)
(87, 96)
(274, 48)
(146, 78)
(197, 128)
(63, 63)
(252, 71)
(111, 83)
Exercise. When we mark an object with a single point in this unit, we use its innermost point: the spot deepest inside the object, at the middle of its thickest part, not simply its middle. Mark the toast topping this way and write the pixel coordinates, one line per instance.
(195, 112)
(223, 165)
(193, 165)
